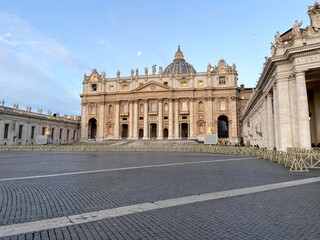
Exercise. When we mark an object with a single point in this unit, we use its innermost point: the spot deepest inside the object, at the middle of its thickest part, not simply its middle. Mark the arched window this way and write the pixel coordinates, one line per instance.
(201, 106)
(141, 108)
(110, 109)
(93, 108)
(222, 106)
(125, 107)
(154, 107)
(184, 106)
(166, 107)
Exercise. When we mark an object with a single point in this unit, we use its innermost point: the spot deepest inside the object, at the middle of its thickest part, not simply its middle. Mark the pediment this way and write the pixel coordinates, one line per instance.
(153, 87)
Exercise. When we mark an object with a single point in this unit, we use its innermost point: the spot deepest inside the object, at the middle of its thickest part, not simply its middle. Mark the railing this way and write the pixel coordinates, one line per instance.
(297, 160)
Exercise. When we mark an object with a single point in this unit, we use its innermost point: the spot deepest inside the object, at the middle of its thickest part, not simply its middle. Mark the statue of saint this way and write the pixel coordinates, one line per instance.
(209, 68)
(118, 73)
(210, 129)
(273, 49)
(132, 72)
(296, 29)
(137, 71)
(161, 70)
(103, 74)
(278, 40)
(154, 69)
(146, 70)
(47, 131)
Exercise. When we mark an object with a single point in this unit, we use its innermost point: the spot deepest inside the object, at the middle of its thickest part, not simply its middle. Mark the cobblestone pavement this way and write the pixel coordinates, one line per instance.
(49, 185)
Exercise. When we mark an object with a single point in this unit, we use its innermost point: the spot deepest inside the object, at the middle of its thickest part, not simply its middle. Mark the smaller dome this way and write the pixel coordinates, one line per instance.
(179, 65)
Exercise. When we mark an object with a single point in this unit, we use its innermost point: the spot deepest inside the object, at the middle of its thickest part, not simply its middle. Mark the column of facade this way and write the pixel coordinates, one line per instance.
(135, 120)
(145, 121)
(270, 121)
(316, 99)
(130, 136)
(160, 120)
(191, 103)
(100, 124)
(233, 130)
(302, 111)
(176, 119)
(170, 119)
(84, 122)
(117, 121)
(209, 110)
(275, 117)
(264, 120)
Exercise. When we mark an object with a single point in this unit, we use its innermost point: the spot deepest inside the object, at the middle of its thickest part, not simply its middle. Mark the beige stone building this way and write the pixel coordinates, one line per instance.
(174, 102)
(21, 127)
(284, 110)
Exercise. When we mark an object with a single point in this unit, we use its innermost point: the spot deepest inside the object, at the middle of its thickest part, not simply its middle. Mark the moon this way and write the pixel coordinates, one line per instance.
(139, 53)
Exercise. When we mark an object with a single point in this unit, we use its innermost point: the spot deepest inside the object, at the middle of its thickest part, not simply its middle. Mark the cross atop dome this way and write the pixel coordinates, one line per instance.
(179, 54)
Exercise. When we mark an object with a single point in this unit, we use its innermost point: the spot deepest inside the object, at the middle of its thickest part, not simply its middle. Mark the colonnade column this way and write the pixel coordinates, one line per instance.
(191, 103)
(160, 118)
(293, 110)
(145, 121)
(275, 116)
(285, 133)
(264, 121)
(117, 121)
(135, 120)
(303, 111)
(131, 126)
(270, 120)
(176, 119)
(170, 119)
(209, 111)
(316, 97)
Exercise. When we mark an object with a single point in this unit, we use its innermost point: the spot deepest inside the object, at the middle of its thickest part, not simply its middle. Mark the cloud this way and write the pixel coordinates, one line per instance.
(104, 42)
(37, 69)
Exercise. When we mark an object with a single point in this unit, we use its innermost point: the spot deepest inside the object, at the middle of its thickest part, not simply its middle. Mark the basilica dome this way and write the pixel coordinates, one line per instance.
(179, 65)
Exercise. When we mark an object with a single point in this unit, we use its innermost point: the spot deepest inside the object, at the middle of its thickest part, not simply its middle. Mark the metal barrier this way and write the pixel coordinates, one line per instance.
(298, 160)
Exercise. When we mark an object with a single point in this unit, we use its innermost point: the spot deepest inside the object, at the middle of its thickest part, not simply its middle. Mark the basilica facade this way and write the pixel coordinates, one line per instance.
(175, 102)
(284, 110)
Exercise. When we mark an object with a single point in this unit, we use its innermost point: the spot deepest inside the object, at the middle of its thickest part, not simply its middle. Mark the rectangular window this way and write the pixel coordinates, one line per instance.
(222, 80)
(200, 83)
(43, 130)
(110, 87)
(184, 83)
(6, 131)
(125, 87)
(94, 87)
(165, 118)
(141, 118)
(68, 132)
(20, 131)
(32, 132)
(60, 134)
(165, 83)
(74, 134)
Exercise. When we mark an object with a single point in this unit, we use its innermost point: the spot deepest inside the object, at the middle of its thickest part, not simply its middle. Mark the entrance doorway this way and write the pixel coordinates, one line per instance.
(124, 133)
(92, 129)
(165, 133)
(184, 130)
(140, 133)
(153, 130)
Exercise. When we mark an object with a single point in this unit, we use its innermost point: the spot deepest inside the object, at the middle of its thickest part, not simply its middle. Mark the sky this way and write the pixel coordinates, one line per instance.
(47, 46)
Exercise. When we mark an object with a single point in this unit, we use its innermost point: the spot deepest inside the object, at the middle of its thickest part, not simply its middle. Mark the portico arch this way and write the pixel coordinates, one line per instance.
(223, 127)
(92, 128)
